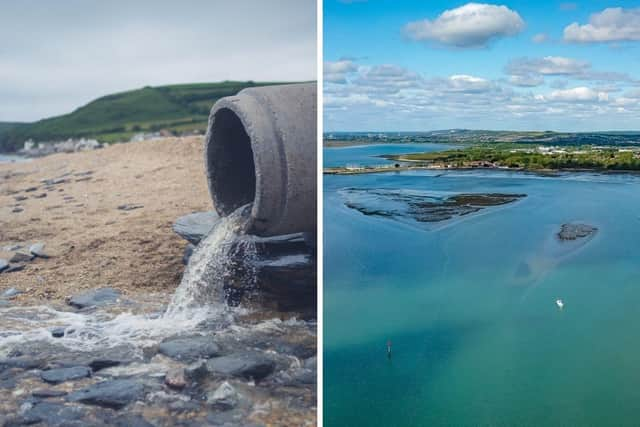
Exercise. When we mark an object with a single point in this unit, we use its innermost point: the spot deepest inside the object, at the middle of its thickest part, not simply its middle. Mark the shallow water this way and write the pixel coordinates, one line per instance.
(470, 305)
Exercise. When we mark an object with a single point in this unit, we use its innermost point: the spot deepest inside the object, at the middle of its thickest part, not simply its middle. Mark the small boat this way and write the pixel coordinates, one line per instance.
(559, 303)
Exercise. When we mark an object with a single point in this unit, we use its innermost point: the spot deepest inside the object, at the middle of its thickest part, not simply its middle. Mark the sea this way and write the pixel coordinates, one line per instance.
(470, 306)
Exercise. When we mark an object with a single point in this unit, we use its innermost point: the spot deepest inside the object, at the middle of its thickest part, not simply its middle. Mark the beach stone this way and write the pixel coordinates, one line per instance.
(188, 251)
(99, 364)
(40, 196)
(46, 393)
(11, 293)
(57, 332)
(30, 189)
(130, 420)
(37, 249)
(17, 209)
(95, 298)
(15, 267)
(52, 414)
(20, 257)
(189, 349)
(21, 362)
(248, 365)
(196, 371)
(20, 198)
(196, 226)
(225, 397)
(130, 206)
(60, 375)
(113, 394)
(175, 378)
(575, 231)
(4, 264)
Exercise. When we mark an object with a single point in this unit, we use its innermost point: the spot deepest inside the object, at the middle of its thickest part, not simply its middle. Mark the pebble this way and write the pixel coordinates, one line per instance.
(4, 264)
(11, 293)
(37, 249)
(249, 365)
(95, 298)
(189, 349)
(113, 394)
(130, 206)
(56, 376)
(225, 397)
(175, 378)
(57, 332)
(20, 257)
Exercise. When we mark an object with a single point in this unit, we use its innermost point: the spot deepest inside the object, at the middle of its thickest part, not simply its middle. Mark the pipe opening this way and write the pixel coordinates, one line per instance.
(230, 162)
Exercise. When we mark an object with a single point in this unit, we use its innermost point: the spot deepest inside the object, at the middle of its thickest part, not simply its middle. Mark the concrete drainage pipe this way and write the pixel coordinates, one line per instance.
(261, 149)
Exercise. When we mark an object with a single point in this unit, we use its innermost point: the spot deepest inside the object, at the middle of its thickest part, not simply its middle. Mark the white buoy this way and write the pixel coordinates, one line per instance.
(559, 303)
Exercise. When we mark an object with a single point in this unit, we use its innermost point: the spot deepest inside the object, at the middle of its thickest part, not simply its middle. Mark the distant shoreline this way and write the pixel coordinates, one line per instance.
(404, 168)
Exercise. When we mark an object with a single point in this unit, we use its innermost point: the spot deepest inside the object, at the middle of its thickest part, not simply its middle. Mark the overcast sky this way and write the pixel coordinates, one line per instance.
(58, 55)
(511, 64)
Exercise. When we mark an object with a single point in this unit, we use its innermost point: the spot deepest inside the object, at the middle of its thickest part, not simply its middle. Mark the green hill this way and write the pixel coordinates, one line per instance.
(117, 117)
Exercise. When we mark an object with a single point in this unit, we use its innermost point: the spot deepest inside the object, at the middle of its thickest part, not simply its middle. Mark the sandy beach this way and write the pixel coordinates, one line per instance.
(90, 241)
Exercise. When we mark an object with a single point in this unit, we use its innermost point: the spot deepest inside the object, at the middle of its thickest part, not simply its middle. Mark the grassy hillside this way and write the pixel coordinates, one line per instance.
(177, 108)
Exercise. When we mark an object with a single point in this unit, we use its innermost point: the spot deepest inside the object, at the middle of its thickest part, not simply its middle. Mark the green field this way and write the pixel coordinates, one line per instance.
(175, 108)
(522, 157)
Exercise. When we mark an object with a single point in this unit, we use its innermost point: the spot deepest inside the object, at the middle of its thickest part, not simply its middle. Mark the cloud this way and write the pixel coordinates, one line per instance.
(473, 25)
(540, 38)
(547, 66)
(611, 25)
(391, 97)
(578, 94)
(526, 80)
(64, 56)
(336, 72)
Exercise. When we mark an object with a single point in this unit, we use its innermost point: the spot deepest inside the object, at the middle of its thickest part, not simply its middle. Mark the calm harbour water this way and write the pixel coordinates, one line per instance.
(470, 305)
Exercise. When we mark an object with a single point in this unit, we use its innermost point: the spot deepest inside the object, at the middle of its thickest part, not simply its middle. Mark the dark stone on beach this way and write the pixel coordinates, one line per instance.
(11, 293)
(130, 420)
(189, 349)
(188, 251)
(47, 393)
(95, 298)
(21, 362)
(15, 267)
(196, 226)
(575, 231)
(224, 398)
(196, 371)
(17, 209)
(86, 178)
(37, 249)
(40, 196)
(249, 365)
(86, 173)
(21, 257)
(53, 414)
(57, 332)
(113, 394)
(20, 198)
(99, 364)
(30, 189)
(56, 376)
(4, 264)
(130, 207)
(54, 181)
(176, 378)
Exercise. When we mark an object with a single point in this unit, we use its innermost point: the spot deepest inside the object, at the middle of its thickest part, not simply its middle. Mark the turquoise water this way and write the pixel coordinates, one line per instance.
(368, 155)
(470, 306)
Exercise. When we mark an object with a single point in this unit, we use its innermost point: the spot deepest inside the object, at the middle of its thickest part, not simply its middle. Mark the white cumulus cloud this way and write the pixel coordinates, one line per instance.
(578, 94)
(547, 66)
(470, 26)
(611, 25)
(336, 71)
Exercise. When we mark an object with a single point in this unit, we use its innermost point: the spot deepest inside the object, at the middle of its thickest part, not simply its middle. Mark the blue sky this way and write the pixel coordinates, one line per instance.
(423, 65)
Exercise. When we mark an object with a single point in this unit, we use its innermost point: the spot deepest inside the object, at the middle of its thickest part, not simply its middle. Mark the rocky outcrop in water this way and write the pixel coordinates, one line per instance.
(422, 207)
(576, 231)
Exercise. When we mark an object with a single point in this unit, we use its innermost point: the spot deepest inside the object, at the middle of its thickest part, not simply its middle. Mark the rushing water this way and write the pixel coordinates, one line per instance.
(225, 252)
(469, 305)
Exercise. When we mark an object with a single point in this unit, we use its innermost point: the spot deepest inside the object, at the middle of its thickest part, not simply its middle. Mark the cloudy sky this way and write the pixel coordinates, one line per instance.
(425, 65)
(58, 55)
